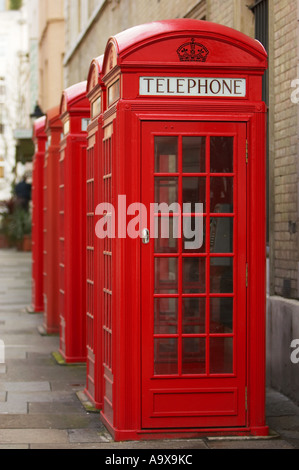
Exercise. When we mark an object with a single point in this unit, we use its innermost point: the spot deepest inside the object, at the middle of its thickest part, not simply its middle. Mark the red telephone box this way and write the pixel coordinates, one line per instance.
(183, 314)
(39, 139)
(74, 115)
(51, 211)
(95, 95)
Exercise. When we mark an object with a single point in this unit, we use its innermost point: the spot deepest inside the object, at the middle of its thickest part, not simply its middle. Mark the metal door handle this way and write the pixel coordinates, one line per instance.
(145, 236)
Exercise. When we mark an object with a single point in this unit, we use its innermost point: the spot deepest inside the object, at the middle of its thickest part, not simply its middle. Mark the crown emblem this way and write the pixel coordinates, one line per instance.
(192, 52)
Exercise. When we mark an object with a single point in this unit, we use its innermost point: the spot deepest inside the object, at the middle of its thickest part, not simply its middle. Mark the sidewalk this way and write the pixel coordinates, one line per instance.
(39, 406)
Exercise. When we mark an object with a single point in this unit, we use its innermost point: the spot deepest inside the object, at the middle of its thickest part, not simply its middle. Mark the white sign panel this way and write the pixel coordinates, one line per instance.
(192, 86)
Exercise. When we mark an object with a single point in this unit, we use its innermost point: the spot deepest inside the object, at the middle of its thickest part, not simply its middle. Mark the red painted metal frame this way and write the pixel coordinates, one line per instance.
(53, 130)
(39, 139)
(94, 376)
(151, 50)
(228, 389)
(74, 113)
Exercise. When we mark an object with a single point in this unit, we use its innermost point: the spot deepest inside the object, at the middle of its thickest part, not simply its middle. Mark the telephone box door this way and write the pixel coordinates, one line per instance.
(194, 275)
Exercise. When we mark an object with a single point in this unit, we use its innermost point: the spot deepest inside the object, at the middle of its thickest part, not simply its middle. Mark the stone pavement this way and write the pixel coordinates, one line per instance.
(39, 404)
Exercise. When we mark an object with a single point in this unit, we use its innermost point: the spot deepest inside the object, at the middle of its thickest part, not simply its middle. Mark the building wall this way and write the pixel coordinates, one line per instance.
(89, 24)
(284, 151)
(14, 108)
(51, 52)
(106, 18)
(232, 13)
(32, 15)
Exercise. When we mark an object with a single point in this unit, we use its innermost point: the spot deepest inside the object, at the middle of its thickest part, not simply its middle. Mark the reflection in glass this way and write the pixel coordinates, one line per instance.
(167, 233)
(166, 316)
(221, 355)
(222, 197)
(165, 356)
(166, 154)
(194, 191)
(193, 315)
(194, 270)
(166, 190)
(166, 275)
(221, 315)
(194, 154)
(221, 235)
(194, 356)
(221, 275)
(221, 154)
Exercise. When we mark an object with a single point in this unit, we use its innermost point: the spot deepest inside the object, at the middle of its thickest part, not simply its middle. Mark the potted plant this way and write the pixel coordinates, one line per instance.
(6, 213)
(19, 229)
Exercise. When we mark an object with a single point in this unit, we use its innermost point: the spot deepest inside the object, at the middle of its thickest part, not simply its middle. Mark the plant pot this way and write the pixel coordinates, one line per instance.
(25, 244)
(4, 243)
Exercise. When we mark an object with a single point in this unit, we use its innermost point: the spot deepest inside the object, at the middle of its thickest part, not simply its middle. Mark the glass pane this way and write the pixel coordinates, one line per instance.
(194, 191)
(166, 154)
(221, 154)
(166, 316)
(194, 234)
(194, 271)
(166, 356)
(194, 356)
(221, 315)
(166, 275)
(166, 190)
(194, 154)
(221, 275)
(221, 235)
(222, 197)
(194, 315)
(221, 355)
(167, 234)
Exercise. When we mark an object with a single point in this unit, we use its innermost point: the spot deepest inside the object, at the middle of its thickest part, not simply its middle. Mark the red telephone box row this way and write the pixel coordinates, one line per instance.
(93, 184)
(39, 139)
(53, 129)
(182, 328)
(74, 114)
(175, 325)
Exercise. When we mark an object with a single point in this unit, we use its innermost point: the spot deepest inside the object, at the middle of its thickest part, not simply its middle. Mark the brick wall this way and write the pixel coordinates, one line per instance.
(116, 16)
(284, 205)
(221, 11)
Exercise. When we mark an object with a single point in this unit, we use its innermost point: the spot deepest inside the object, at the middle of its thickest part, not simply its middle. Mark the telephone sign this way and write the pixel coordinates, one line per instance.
(193, 86)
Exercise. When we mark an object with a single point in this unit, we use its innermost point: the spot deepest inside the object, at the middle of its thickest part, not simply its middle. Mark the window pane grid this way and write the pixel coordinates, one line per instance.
(198, 346)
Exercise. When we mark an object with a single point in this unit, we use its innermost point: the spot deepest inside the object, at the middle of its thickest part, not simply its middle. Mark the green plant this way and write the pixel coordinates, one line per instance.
(17, 225)
(15, 4)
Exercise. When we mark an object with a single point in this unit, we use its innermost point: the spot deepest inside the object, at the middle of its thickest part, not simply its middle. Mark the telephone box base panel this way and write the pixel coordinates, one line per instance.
(50, 330)
(95, 404)
(71, 359)
(35, 309)
(139, 435)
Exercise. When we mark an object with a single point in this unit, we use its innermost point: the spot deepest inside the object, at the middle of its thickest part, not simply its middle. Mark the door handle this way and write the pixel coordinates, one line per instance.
(145, 236)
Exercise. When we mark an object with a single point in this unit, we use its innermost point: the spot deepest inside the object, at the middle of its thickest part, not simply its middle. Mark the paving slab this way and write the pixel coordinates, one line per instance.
(33, 436)
(25, 386)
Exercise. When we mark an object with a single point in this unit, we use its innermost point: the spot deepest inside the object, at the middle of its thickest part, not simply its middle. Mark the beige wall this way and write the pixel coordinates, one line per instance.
(232, 13)
(51, 52)
(82, 45)
(283, 146)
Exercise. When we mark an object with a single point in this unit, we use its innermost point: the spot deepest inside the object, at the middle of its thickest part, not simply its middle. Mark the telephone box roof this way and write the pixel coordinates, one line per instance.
(227, 45)
(75, 94)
